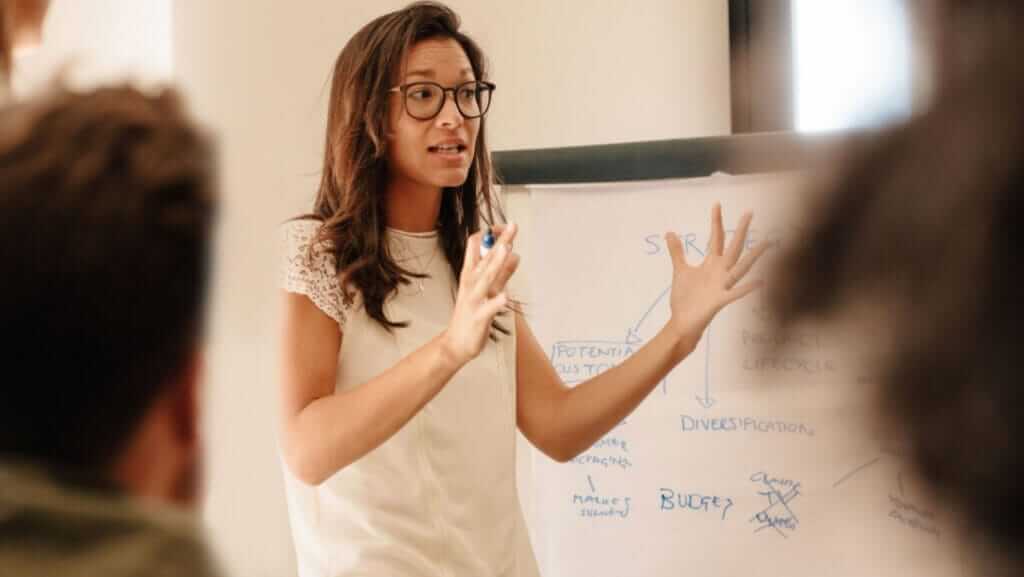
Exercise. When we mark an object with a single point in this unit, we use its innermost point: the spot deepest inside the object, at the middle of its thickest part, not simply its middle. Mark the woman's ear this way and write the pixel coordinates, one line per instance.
(389, 121)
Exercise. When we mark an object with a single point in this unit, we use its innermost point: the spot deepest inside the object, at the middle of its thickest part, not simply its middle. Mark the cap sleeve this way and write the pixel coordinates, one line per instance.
(310, 272)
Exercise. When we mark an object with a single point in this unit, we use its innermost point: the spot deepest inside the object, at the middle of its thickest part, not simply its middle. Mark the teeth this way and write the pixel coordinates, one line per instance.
(448, 148)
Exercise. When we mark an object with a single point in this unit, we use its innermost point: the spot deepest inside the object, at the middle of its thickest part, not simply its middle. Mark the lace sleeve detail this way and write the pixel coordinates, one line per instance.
(310, 272)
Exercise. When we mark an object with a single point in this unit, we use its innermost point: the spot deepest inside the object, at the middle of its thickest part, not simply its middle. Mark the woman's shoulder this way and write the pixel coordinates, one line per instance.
(308, 267)
(300, 237)
(301, 230)
(304, 253)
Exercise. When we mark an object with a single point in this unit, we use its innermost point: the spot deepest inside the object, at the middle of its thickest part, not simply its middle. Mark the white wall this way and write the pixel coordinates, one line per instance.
(100, 41)
(257, 71)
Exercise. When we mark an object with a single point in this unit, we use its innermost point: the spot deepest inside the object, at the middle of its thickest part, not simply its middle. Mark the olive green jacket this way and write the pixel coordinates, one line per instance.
(58, 524)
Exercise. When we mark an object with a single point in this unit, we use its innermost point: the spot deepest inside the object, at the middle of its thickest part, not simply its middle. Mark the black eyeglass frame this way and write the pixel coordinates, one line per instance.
(401, 88)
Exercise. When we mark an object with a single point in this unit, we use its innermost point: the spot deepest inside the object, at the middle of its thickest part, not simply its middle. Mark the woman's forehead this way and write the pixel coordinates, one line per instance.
(437, 58)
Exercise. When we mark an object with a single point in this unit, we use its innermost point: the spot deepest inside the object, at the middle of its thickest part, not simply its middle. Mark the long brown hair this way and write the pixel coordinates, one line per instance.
(351, 200)
(5, 42)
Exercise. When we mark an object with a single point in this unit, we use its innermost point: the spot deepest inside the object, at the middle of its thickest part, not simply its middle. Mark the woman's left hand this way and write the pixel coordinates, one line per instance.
(699, 292)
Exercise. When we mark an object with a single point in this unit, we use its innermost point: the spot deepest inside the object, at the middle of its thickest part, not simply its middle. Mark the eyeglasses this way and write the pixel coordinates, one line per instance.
(424, 100)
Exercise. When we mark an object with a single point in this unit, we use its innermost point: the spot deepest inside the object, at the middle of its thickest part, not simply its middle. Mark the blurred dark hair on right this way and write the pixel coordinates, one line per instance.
(923, 224)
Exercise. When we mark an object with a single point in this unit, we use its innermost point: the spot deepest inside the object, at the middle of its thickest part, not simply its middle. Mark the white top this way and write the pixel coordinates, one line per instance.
(439, 497)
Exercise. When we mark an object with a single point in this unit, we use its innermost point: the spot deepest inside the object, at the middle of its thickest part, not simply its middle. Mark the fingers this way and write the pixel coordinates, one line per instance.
(499, 229)
(495, 263)
(503, 235)
(717, 230)
(741, 269)
(506, 272)
(492, 266)
(481, 295)
(506, 234)
(474, 263)
(732, 254)
(675, 249)
(472, 257)
(493, 306)
(742, 290)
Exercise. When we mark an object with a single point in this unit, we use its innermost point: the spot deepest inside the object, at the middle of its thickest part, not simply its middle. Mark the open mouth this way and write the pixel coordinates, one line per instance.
(448, 149)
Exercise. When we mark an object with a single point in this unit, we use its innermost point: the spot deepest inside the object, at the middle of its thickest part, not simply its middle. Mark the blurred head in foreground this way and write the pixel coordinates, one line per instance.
(106, 214)
(915, 244)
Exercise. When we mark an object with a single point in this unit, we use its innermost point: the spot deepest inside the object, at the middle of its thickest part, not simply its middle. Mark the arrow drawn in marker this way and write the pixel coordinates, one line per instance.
(707, 401)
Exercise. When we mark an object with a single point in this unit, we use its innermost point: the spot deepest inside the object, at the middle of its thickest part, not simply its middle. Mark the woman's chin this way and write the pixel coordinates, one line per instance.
(451, 179)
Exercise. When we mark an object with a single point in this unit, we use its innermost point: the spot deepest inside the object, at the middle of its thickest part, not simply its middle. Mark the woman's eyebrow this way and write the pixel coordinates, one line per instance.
(430, 73)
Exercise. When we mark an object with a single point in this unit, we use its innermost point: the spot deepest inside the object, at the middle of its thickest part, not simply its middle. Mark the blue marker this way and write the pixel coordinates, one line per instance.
(487, 243)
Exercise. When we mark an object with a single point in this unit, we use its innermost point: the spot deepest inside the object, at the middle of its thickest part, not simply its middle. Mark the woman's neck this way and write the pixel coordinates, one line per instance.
(413, 207)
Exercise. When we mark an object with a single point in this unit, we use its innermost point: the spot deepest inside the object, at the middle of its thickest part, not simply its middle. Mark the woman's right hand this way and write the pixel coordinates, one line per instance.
(481, 294)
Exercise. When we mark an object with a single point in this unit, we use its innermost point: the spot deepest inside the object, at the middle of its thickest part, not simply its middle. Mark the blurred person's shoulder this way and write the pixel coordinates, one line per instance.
(59, 523)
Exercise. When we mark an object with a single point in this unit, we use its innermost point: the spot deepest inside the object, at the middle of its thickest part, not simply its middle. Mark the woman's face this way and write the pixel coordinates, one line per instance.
(437, 152)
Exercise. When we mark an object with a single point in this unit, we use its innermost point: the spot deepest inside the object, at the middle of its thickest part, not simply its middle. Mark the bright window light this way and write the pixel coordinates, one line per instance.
(851, 63)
